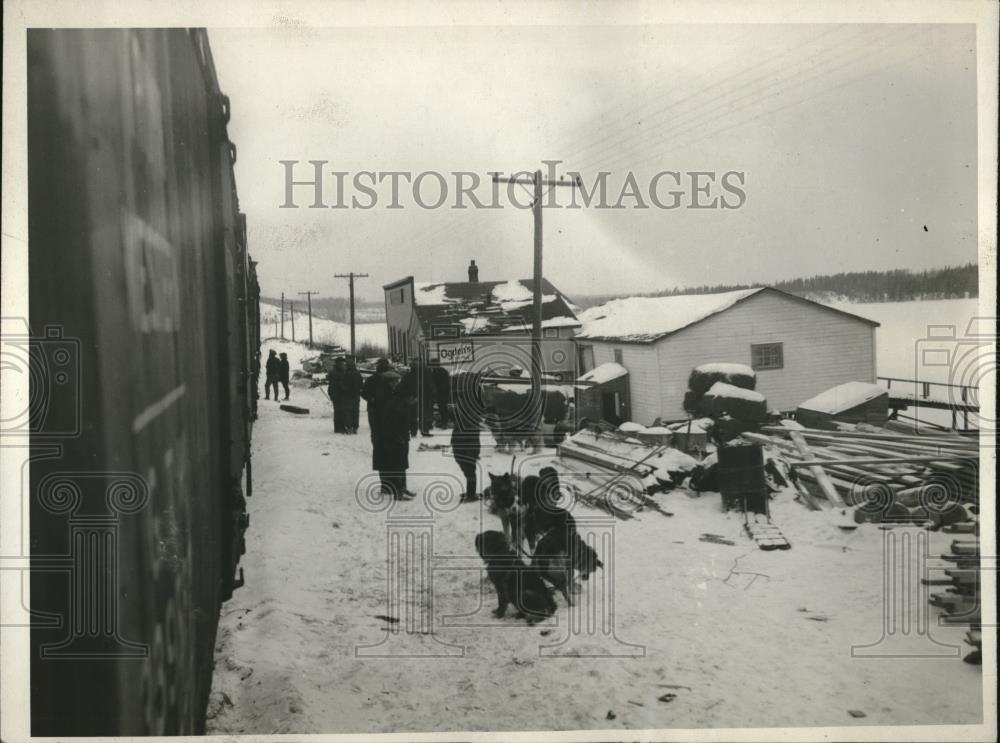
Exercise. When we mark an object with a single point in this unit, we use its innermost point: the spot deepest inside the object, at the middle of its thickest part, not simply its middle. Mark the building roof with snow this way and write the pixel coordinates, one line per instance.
(488, 307)
(647, 319)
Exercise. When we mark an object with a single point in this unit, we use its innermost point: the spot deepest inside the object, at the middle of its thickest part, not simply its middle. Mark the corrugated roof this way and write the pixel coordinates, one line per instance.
(647, 319)
(487, 307)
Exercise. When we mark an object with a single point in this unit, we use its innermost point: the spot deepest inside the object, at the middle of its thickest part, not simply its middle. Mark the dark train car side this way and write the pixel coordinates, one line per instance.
(143, 306)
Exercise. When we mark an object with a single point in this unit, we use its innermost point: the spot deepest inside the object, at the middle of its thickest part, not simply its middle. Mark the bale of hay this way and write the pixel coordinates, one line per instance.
(738, 403)
(703, 377)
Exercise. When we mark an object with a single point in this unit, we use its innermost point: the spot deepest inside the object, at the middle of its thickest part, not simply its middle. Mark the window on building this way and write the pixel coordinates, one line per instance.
(618, 356)
(586, 359)
(764, 356)
(551, 332)
(396, 296)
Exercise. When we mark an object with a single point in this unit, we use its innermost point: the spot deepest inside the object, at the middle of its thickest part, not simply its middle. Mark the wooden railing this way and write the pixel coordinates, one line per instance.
(967, 392)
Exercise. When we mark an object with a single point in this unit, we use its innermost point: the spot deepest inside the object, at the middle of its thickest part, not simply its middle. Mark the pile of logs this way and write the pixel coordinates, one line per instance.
(887, 475)
(961, 601)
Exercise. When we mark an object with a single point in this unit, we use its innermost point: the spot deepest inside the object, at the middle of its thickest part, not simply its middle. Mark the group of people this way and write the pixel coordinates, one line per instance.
(277, 370)
(401, 404)
(344, 390)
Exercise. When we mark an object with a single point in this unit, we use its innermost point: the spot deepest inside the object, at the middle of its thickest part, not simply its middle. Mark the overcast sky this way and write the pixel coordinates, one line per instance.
(852, 138)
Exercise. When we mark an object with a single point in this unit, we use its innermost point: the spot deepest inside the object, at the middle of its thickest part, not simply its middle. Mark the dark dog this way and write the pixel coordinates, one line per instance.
(515, 582)
(559, 553)
(501, 494)
(539, 496)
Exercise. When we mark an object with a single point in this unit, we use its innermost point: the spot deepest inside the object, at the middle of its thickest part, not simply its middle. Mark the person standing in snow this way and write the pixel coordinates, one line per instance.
(335, 391)
(284, 373)
(374, 393)
(273, 370)
(442, 390)
(419, 387)
(391, 436)
(465, 445)
(352, 396)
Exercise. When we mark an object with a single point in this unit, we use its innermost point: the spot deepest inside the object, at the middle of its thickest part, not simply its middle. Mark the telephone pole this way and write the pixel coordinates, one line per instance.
(308, 296)
(537, 182)
(350, 281)
(282, 316)
(291, 317)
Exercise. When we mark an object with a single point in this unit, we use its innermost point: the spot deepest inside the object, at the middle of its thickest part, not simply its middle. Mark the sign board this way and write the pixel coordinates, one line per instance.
(455, 352)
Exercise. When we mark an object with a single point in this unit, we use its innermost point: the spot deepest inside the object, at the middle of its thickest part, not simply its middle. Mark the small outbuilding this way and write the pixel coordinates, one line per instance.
(796, 347)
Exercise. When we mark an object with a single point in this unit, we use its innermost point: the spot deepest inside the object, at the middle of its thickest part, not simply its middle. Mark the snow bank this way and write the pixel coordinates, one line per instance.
(604, 373)
(648, 318)
(843, 397)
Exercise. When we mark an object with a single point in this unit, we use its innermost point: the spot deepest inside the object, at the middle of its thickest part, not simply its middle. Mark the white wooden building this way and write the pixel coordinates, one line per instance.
(797, 347)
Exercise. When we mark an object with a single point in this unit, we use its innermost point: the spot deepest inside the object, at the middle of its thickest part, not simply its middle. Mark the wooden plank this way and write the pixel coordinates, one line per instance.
(817, 471)
(887, 460)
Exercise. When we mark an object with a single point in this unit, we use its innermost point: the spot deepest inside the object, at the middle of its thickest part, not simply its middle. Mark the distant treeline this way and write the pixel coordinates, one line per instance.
(335, 308)
(857, 286)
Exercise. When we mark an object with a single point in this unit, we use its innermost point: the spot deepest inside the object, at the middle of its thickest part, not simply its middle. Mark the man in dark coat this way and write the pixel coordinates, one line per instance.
(273, 370)
(375, 394)
(284, 373)
(465, 445)
(442, 390)
(419, 387)
(352, 396)
(391, 436)
(335, 389)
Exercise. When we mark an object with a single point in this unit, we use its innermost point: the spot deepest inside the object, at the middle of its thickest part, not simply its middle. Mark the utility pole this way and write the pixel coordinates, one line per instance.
(350, 280)
(282, 316)
(291, 316)
(308, 296)
(537, 183)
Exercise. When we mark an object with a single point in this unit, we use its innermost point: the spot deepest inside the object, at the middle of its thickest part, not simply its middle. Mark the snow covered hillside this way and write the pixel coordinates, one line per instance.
(708, 630)
(324, 331)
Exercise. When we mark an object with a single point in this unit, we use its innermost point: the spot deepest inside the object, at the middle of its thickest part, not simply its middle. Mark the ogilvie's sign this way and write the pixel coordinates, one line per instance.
(454, 353)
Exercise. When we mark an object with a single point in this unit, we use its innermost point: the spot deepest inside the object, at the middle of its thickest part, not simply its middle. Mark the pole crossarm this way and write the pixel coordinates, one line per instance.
(537, 182)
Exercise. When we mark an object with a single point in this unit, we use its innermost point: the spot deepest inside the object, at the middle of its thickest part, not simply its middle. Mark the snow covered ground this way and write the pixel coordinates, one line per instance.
(324, 331)
(709, 634)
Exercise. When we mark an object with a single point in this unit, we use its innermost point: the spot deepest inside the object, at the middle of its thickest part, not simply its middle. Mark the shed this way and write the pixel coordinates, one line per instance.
(851, 402)
(796, 347)
(602, 394)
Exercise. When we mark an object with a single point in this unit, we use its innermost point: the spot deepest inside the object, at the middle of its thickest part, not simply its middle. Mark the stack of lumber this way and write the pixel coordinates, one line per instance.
(887, 475)
(962, 600)
(614, 470)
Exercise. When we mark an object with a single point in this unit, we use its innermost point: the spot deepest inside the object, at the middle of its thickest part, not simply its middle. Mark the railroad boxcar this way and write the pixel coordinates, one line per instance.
(144, 356)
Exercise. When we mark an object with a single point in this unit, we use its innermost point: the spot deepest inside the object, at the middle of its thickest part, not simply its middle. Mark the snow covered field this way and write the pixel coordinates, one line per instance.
(324, 331)
(712, 634)
(904, 335)
(904, 325)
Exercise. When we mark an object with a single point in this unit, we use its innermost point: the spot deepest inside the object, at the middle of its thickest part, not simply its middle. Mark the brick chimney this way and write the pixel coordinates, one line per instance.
(473, 273)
